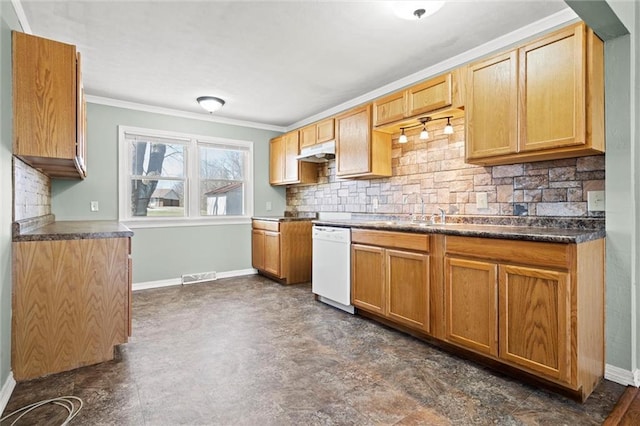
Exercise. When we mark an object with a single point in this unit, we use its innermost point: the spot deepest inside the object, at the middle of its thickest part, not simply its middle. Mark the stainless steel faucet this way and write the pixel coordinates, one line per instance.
(443, 216)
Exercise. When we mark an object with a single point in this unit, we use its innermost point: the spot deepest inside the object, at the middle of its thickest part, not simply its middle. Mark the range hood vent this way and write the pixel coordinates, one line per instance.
(318, 153)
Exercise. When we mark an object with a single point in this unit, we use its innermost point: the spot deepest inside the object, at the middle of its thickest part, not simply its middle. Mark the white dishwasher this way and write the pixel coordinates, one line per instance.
(331, 266)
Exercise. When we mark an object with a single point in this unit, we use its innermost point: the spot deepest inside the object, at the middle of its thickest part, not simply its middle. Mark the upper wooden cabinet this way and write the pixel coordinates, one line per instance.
(438, 93)
(360, 150)
(284, 168)
(319, 132)
(48, 106)
(542, 101)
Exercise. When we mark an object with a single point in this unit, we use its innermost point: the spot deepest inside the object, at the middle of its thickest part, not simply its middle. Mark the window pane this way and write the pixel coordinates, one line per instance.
(157, 159)
(222, 186)
(221, 198)
(157, 198)
(222, 163)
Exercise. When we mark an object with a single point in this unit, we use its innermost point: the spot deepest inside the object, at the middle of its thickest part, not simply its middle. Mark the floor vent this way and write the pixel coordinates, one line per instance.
(198, 278)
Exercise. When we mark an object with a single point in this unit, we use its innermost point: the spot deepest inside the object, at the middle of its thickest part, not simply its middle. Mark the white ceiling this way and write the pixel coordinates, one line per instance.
(274, 62)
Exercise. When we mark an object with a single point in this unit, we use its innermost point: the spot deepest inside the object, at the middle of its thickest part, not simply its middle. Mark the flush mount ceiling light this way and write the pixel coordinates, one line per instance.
(210, 103)
(414, 10)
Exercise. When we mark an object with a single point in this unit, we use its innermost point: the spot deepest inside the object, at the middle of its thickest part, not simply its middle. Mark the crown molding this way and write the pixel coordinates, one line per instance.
(547, 24)
(182, 114)
(22, 17)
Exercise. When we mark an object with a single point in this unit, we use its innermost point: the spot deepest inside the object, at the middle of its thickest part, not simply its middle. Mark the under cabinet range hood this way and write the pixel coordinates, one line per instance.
(318, 153)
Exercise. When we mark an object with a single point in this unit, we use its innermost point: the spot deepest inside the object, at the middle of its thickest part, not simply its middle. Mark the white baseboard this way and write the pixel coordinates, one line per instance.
(7, 390)
(178, 281)
(622, 376)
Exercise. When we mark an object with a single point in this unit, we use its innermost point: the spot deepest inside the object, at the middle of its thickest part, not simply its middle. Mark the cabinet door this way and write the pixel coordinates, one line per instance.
(368, 278)
(492, 107)
(276, 161)
(429, 96)
(552, 91)
(257, 249)
(325, 130)
(535, 320)
(390, 108)
(272, 253)
(471, 304)
(408, 288)
(291, 150)
(81, 122)
(308, 136)
(44, 97)
(353, 142)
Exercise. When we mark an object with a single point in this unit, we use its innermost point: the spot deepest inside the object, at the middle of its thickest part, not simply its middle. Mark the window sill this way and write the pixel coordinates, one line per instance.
(179, 222)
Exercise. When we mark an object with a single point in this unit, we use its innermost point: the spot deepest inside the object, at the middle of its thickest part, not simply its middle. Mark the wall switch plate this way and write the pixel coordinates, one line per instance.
(595, 201)
(94, 206)
(481, 200)
(268, 206)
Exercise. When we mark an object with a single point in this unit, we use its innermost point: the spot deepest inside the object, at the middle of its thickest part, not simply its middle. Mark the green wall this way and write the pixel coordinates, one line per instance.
(165, 253)
(8, 22)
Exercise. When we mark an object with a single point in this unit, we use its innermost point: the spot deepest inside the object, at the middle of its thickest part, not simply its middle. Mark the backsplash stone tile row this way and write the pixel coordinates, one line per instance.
(434, 171)
(32, 192)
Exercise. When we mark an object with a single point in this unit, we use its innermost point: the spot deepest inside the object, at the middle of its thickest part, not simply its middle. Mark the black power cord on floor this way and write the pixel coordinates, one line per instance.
(68, 402)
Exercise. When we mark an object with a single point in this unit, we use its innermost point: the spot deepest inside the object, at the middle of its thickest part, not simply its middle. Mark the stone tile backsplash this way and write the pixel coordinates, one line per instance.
(32, 192)
(434, 171)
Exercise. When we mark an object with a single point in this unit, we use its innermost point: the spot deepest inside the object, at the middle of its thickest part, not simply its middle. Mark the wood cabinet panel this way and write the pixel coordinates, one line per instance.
(325, 130)
(360, 151)
(272, 256)
(491, 115)
(257, 248)
(400, 240)
(390, 108)
(70, 304)
(48, 108)
(552, 90)
(308, 136)
(535, 320)
(408, 288)
(429, 96)
(276, 161)
(368, 278)
(291, 150)
(471, 304)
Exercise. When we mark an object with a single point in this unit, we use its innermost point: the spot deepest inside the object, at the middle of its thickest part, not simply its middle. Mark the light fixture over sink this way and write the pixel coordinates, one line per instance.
(210, 103)
(424, 133)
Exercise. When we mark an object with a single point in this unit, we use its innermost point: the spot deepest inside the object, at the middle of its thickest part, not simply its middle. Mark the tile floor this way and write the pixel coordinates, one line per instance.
(248, 351)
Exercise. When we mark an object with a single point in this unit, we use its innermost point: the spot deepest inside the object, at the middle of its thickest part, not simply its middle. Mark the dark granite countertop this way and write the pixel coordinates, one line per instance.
(555, 234)
(71, 230)
(283, 218)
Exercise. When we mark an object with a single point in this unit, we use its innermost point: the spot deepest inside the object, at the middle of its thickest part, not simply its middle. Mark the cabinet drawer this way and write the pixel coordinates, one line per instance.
(551, 255)
(401, 240)
(267, 225)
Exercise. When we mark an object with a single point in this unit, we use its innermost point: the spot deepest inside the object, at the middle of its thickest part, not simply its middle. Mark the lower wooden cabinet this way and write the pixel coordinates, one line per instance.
(389, 278)
(282, 249)
(533, 305)
(471, 304)
(71, 303)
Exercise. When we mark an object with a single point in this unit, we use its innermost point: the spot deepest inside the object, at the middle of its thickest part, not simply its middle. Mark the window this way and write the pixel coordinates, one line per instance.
(170, 178)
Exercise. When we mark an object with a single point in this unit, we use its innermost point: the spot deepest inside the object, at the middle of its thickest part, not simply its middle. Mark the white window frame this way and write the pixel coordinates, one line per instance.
(192, 215)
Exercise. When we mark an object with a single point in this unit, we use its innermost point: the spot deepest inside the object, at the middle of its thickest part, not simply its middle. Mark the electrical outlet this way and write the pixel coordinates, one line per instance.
(94, 206)
(595, 201)
(481, 200)
(268, 206)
